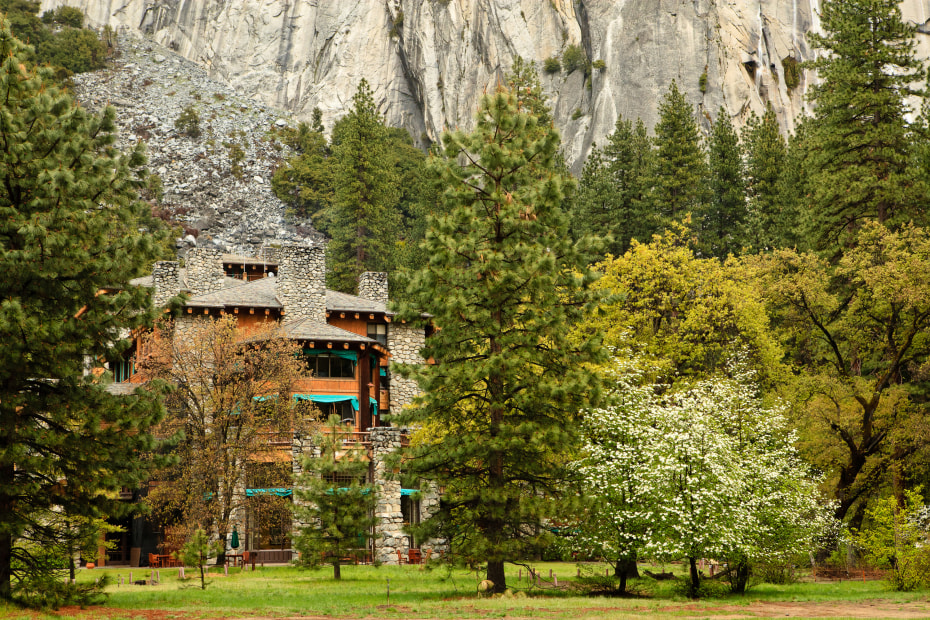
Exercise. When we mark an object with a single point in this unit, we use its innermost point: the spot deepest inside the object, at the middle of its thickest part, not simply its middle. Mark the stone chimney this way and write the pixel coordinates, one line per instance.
(301, 283)
(373, 286)
(205, 269)
(166, 280)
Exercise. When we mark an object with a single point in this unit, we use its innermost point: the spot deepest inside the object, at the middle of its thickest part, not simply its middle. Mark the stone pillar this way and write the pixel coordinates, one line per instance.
(205, 270)
(301, 283)
(166, 280)
(389, 529)
(405, 342)
(373, 285)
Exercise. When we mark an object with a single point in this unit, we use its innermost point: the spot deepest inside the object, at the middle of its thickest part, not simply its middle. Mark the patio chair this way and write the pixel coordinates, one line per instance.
(400, 557)
(413, 556)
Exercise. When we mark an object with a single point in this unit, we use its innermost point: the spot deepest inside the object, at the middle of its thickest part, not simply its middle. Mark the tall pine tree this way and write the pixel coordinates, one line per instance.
(860, 145)
(499, 408)
(72, 234)
(609, 199)
(364, 218)
(772, 222)
(678, 183)
(723, 218)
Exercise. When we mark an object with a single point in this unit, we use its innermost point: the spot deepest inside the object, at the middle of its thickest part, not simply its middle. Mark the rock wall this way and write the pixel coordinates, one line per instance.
(405, 342)
(301, 283)
(373, 285)
(166, 280)
(389, 530)
(205, 270)
(428, 61)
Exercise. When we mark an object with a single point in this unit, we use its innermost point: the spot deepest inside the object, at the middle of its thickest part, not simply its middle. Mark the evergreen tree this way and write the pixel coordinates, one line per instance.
(771, 223)
(72, 234)
(678, 182)
(860, 145)
(305, 182)
(364, 220)
(338, 506)
(723, 219)
(610, 195)
(499, 407)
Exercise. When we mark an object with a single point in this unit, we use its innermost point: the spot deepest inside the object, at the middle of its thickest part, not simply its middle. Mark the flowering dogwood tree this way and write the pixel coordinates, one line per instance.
(705, 471)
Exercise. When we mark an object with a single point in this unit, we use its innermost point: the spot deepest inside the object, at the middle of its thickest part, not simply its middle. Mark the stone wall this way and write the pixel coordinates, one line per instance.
(389, 529)
(166, 280)
(301, 284)
(373, 285)
(405, 342)
(205, 270)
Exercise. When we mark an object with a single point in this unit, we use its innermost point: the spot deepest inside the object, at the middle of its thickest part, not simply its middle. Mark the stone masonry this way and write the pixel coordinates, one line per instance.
(373, 285)
(166, 280)
(405, 342)
(301, 284)
(205, 269)
(389, 530)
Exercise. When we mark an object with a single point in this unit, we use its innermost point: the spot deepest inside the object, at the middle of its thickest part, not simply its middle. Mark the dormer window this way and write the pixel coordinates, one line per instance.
(378, 331)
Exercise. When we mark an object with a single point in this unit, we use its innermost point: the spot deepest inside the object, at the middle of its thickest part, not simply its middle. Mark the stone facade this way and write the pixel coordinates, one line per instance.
(205, 270)
(389, 530)
(166, 280)
(373, 285)
(301, 284)
(405, 342)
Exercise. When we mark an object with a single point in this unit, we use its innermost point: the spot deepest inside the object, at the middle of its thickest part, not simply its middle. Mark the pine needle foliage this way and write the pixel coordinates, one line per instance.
(338, 505)
(860, 144)
(499, 408)
(72, 234)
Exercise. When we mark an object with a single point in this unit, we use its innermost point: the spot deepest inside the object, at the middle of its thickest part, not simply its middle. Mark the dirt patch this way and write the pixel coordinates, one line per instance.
(840, 609)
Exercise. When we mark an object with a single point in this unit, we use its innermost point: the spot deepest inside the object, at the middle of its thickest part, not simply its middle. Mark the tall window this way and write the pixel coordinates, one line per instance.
(378, 331)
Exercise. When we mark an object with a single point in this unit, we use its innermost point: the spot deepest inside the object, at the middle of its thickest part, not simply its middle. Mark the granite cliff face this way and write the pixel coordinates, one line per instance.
(428, 61)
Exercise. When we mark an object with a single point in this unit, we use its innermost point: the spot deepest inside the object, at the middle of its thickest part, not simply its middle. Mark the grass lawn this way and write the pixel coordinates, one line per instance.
(282, 592)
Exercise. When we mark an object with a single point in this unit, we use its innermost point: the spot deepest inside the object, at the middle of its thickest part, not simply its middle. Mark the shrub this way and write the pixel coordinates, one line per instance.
(577, 114)
(599, 64)
(702, 83)
(894, 539)
(574, 58)
(188, 122)
(64, 15)
(552, 65)
(792, 70)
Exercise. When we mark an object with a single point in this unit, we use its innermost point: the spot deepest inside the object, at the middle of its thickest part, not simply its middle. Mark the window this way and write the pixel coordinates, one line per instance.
(123, 370)
(378, 331)
(331, 366)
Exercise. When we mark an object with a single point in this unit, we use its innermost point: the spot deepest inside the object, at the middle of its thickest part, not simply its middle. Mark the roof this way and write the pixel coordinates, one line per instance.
(148, 282)
(256, 294)
(305, 329)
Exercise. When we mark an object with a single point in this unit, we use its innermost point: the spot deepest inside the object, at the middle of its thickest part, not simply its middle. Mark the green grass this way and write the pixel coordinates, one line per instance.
(421, 593)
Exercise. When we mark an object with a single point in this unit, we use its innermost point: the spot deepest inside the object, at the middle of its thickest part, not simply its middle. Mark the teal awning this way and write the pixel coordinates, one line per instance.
(280, 492)
(334, 398)
(408, 491)
(383, 372)
(328, 398)
(346, 355)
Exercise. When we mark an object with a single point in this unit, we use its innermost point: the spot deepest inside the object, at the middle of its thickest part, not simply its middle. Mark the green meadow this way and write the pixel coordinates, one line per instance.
(420, 592)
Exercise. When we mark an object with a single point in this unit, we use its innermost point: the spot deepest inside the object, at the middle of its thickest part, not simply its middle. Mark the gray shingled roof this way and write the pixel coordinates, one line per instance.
(256, 294)
(261, 294)
(305, 329)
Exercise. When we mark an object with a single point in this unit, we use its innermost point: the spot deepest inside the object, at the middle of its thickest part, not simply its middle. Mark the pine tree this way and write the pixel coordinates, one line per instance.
(610, 195)
(678, 182)
(723, 219)
(338, 505)
(364, 219)
(72, 234)
(860, 144)
(504, 281)
(771, 222)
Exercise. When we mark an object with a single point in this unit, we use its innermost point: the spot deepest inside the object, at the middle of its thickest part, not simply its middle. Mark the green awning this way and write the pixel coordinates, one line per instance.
(280, 492)
(383, 372)
(328, 398)
(346, 355)
(408, 491)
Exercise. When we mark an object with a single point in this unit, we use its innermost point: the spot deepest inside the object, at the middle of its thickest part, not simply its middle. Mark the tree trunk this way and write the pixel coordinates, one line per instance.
(6, 561)
(627, 567)
(695, 578)
(337, 573)
(496, 575)
(739, 577)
